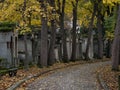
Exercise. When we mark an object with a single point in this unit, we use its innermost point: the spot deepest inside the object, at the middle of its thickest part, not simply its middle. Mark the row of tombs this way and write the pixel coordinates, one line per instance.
(12, 49)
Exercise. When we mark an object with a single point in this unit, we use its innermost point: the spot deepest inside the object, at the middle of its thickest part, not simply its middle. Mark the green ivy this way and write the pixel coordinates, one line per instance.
(7, 26)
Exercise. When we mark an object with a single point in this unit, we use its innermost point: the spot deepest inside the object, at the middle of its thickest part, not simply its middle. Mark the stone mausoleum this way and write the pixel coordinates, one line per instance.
(8, 45)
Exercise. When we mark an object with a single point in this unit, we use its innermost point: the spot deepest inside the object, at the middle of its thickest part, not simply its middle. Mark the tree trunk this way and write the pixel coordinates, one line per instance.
(108, 48)
(44, 37)
(90, 32)
(63, 45)
(51, 54)
(100, 39)
(60, 51)
(100, 30)
(44, 43)
(25, 38)
(26, 52)
(73, 55)
(64, 48)
(60, 45)
(116, 45)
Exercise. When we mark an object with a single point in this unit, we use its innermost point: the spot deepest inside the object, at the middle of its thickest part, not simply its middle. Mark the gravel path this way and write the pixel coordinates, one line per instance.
(80, 77)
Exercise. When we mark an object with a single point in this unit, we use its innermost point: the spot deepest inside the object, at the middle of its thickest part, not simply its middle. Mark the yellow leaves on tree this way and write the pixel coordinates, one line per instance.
(11, 10)
(111, 2)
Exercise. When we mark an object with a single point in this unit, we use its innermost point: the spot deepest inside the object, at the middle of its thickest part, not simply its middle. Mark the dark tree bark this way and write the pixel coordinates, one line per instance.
(116, 45)
(100, 29)
(51, 54)
(108, 48)
(44, 36)
(65, 54)
(73, 55)
(25, 37)
(26, 52)
(44, 43)
(100, 39)
(63, 32)
(90, 32)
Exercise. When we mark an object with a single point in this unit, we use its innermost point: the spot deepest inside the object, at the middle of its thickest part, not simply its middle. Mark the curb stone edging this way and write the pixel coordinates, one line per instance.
(17, 84)
(14, 86)
(102, 83)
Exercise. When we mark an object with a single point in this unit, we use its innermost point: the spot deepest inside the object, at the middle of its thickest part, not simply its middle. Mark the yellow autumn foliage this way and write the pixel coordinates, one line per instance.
(11, 10)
